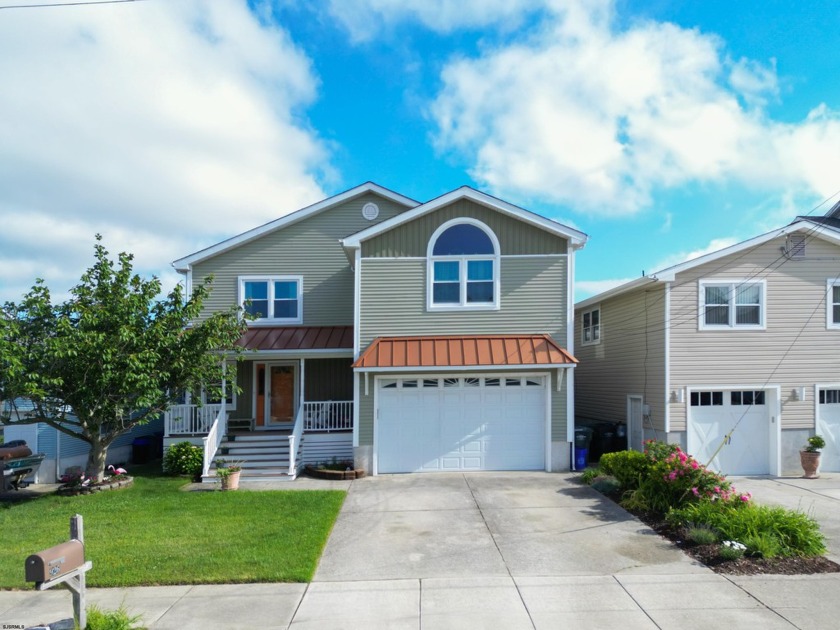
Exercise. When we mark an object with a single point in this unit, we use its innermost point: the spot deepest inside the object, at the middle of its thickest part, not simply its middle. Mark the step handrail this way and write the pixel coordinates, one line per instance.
(214, 439)
(294, 441)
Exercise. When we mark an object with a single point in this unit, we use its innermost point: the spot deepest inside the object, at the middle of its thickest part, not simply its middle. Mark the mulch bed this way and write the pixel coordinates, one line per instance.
(72, 490)
(708, 554)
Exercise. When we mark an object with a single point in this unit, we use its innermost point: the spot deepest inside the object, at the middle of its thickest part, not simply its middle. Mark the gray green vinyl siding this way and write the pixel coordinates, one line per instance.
(515, 237)
(533, 300)
(309, 248)
(629, 360)
(245, 382)
(328, 379)
(558, 402)
(795, 350)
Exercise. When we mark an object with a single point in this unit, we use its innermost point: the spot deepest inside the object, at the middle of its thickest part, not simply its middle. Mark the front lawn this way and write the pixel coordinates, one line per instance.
(153, 533)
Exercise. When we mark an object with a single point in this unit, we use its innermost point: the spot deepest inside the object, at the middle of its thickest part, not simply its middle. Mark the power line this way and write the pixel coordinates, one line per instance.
(66, 4)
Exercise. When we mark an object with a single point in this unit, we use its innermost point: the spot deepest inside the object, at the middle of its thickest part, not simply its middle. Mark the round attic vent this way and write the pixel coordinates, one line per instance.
(370, 211)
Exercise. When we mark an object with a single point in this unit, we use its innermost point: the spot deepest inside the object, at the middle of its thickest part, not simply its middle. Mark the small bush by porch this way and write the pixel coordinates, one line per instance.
(153, 533)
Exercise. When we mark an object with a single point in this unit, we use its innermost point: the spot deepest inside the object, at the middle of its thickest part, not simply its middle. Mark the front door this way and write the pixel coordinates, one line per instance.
(277, 394)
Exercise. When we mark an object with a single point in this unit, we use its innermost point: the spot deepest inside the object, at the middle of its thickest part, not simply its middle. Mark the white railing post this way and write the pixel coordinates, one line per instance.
(214, 439)
(294, 442)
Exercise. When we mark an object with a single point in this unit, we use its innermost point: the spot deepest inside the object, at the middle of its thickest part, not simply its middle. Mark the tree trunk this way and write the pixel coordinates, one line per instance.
(95, 469)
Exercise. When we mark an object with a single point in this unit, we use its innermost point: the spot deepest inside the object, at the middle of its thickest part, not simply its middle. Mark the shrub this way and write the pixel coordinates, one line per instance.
(674, 479)
(766, 531)
(99, 619)
(701, 534)
(589, 475)
(606, 485)
(183, 458)
(628, 467)
(732, 550)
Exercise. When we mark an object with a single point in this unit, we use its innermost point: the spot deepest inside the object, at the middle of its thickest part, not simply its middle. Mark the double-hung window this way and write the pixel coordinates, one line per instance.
(591, 327)
(463, 267)
(732, 305)
(272, 299)
(833, 303)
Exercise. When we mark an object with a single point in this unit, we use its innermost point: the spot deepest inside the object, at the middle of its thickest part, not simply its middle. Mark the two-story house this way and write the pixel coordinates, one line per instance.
(734, 355)
(408, 337)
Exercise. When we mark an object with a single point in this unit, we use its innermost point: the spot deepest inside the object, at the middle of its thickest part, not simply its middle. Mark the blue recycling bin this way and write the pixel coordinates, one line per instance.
(581, 457)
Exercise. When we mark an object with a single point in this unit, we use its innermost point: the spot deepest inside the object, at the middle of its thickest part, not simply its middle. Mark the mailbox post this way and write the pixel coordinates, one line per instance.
(63, 564)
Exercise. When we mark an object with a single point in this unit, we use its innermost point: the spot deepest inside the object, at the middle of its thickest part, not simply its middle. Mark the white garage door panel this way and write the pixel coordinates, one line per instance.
(746, 452)
(465, 425)
(828, 426)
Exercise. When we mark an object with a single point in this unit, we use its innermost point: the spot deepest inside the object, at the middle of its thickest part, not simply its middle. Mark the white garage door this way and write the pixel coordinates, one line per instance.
(465, 423)
(712, 414)
(828, 426)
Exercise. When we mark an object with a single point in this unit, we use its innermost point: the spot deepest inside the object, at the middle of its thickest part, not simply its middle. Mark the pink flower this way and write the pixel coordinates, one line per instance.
(694, 492)
(672, 475)
(694, 464)
(746, 497)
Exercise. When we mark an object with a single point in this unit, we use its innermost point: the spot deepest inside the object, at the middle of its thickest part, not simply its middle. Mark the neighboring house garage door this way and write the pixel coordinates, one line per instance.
(713, 413)
(434, 424)
(828, 426)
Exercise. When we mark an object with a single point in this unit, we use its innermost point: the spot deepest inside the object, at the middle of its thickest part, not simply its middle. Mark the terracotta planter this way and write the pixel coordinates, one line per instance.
(231, 482)
(810, 464)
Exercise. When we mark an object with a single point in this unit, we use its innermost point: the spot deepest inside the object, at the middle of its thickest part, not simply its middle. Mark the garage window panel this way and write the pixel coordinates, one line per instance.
(706, 399)
(830, 396)
(746, 398)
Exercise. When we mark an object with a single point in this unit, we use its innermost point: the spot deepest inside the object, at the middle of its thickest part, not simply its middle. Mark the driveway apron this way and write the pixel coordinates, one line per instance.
(463, 525)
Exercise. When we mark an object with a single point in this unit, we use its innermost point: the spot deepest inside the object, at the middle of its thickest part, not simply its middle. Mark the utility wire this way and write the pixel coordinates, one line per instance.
(66, 4)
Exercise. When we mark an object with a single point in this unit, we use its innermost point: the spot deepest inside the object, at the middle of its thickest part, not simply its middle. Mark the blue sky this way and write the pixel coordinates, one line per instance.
(663, 130)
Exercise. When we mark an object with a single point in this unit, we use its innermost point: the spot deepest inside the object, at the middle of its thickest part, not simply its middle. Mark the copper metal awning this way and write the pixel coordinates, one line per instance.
(464, 351)
(271, 338)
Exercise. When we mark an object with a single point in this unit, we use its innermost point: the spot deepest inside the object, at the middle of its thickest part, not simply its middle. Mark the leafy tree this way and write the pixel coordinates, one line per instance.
(111, 357)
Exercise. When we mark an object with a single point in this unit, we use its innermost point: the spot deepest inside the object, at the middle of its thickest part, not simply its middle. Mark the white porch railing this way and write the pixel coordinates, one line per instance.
(332, 415)
(214, 438)
(190, 419)
(294, 442)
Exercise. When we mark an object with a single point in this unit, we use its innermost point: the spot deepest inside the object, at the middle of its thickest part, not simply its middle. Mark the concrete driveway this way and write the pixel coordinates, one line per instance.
(488, 525)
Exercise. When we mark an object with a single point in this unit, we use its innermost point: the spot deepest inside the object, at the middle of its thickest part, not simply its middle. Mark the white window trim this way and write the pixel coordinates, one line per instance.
(273, 321)
(830, 324)
(593, 341)
(732, 284)
(462, 269)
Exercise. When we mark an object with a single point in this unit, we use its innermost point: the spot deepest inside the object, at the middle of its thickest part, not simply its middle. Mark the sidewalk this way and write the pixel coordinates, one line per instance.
(526, 550)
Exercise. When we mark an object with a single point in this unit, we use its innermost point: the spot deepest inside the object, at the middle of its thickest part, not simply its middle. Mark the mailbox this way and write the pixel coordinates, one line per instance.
(54, 562)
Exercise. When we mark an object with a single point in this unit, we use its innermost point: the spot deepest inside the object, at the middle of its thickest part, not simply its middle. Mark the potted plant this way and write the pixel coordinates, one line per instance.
(228, 473)
(810, 457)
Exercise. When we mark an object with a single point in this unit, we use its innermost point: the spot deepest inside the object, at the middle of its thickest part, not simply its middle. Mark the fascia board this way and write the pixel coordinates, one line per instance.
(183, 264)
(669, 273)
(576, 238)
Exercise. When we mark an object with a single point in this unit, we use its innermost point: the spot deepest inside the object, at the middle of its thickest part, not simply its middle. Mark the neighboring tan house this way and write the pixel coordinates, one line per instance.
(408, 337)
(739, 348)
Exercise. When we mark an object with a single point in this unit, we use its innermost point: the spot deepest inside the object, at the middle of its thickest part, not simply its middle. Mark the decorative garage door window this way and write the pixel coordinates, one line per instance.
(706, 399)
(426, 383)
(830, 396)
(747, 398)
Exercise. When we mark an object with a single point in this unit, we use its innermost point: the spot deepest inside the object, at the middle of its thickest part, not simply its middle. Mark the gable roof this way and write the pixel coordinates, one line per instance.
(577, 239)
(668, 274)
(183, 264)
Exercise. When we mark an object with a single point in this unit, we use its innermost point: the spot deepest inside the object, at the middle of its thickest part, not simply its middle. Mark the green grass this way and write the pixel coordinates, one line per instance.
(153, 533)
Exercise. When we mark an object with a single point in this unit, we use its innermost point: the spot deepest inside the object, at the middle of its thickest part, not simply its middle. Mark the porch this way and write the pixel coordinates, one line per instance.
(289, 412)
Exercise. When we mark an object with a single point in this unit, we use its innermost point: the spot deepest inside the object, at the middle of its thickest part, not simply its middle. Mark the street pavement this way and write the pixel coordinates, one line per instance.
(490, 550)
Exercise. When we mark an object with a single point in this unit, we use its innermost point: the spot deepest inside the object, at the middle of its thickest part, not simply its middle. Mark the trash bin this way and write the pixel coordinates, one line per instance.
(583, 438)
(604, 439)
(141, 450)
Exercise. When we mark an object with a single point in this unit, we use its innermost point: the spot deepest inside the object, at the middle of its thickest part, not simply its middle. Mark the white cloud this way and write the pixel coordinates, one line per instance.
(165, 126)
(364, 19)
(588, 288)
(585, 114)
(681, 257)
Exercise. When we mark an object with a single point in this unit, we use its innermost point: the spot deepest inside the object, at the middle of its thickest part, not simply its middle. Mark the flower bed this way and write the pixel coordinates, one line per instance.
(328, 473)
(705, 516)
(112, 483)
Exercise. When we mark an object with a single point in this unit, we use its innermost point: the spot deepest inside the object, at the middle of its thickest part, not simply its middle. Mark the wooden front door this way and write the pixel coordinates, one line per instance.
(277, 386)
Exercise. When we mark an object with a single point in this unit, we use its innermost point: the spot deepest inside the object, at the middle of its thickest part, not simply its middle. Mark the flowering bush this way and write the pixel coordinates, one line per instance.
(183, 458)
(675, 479)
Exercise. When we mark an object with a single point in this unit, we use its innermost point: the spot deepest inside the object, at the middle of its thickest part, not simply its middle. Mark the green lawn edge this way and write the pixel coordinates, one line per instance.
(154, 533)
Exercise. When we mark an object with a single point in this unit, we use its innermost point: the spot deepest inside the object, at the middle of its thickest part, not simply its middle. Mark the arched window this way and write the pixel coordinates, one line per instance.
(463, 267)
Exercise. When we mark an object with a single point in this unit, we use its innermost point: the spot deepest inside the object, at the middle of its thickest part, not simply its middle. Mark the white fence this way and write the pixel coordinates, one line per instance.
(333, 415)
